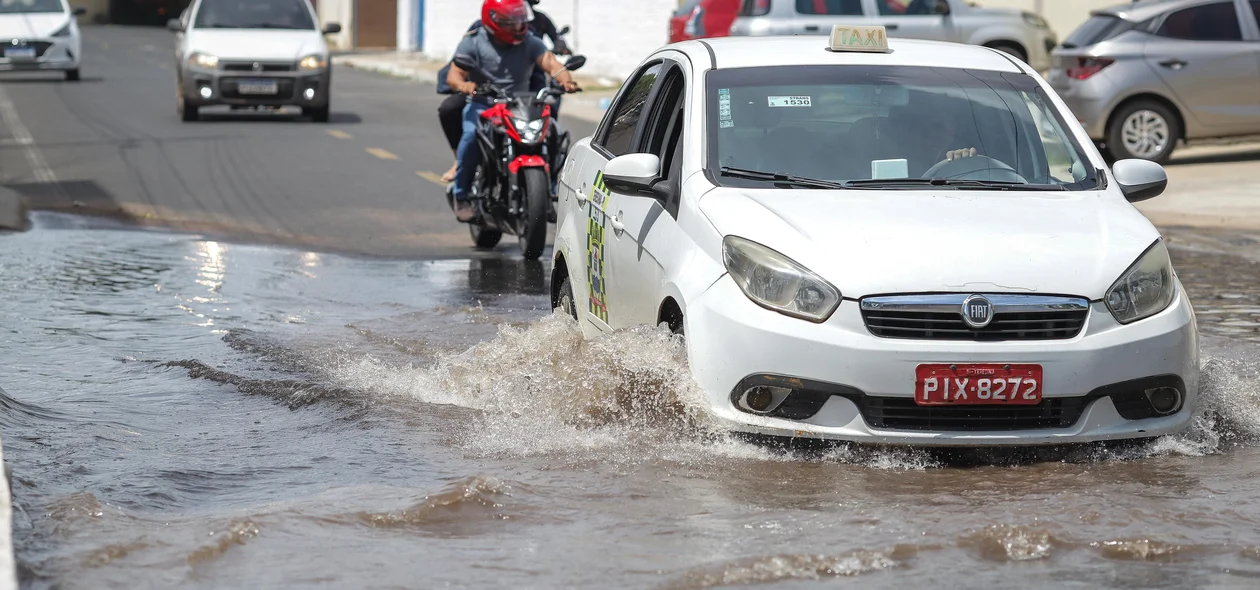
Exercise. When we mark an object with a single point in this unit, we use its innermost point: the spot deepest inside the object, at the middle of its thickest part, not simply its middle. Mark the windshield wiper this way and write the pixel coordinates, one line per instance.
(996, 185)
(779, 177)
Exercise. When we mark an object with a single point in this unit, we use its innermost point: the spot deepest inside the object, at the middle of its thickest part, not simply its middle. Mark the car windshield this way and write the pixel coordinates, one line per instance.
(875, 125)
(254, 14)
(25, 6)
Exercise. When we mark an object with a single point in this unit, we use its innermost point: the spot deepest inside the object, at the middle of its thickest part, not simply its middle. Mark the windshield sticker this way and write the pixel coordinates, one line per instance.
(724, 108)
(595, 284)
(790, 101)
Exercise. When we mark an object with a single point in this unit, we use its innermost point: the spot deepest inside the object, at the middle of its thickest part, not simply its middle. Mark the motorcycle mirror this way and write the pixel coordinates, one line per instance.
(563, 31)
(575, 62)
(465, 63)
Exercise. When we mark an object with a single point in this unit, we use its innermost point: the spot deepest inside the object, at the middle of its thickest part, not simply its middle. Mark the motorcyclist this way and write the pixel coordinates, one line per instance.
(451, 110)
(504, 48)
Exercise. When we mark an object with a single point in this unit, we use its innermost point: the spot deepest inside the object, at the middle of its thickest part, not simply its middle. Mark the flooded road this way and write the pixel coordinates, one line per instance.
(181, 412)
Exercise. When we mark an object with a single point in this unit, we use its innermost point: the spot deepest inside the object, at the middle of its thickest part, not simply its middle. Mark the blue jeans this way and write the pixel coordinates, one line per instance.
(468, 155)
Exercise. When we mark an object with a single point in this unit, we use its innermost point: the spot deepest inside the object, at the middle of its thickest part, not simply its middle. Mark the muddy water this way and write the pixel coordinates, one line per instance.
(181, 412)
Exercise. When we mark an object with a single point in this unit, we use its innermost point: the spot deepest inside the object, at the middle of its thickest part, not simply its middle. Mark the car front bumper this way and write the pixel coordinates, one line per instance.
(731, 340)
(224, 88)
(52, 53)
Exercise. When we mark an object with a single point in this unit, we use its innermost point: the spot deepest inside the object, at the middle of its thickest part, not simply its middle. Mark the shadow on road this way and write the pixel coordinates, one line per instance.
(264, 117)
(1250, 155)
(48, 78)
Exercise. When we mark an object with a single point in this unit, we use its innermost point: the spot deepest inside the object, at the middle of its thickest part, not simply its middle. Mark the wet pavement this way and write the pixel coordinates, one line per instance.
(181, 412)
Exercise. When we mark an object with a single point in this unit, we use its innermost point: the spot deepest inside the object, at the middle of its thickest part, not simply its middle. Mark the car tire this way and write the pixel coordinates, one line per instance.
(187, 112)
(1143, 130)
(318, 114)
(566, 301)
(484, 237)
(1011, 49)
(72, 75)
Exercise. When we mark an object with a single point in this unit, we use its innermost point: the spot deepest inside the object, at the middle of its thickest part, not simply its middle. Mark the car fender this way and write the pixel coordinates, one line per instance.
(1190, 128)
(698, 264)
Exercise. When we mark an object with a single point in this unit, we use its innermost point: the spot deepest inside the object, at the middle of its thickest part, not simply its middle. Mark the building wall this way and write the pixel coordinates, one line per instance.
(615, 35)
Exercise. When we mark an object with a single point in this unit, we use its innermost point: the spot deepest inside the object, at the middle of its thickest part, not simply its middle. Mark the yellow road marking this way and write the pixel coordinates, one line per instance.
(433, 177)
(382, 153)
(339, 134)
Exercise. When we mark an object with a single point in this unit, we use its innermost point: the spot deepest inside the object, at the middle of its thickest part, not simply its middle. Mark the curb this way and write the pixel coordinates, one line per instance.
(12, 210)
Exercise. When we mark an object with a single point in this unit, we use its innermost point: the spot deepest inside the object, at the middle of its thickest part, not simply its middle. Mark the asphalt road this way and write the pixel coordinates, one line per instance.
(112, 144)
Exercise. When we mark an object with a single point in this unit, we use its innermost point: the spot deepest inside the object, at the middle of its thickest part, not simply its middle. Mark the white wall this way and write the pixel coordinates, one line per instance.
(1063, 15)
(615, 35)
(341, 12)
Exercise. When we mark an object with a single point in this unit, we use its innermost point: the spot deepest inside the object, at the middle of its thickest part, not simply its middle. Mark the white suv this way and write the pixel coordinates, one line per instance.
(1024, 35)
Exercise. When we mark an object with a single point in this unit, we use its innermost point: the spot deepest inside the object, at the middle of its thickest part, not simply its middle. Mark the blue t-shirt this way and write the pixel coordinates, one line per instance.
(509, 66)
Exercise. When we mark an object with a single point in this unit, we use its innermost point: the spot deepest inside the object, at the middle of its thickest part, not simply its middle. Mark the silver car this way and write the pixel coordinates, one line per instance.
(1141, 76)
(1024, 35)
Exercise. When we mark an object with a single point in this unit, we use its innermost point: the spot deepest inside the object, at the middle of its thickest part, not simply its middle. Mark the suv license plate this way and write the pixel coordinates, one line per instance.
(20, 52)
(987, 384)
(257, 87)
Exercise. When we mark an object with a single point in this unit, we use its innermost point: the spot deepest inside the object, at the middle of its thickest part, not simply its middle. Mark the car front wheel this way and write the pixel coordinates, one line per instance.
(1144, 130)
(318, 114)
(72, 75)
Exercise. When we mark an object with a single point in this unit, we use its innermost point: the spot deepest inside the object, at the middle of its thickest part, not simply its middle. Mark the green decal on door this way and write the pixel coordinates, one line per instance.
(598, 300)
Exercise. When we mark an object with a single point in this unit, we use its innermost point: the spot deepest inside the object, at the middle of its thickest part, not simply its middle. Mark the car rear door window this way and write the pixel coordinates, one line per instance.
(620, 127)
(830, 7)
(754, 8)
(1255, 11)
(905, 7)
(1207, 22)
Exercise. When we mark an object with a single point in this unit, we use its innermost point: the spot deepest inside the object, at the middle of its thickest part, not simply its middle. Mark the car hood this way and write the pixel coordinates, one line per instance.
(258, 44)
(31, 25)
(870, 242)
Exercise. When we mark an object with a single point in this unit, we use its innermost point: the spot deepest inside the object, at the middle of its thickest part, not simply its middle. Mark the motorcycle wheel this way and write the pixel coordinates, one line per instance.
(533, 235)
(484, 237)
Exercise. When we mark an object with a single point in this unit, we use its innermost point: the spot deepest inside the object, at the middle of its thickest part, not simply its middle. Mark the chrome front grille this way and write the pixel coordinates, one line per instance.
(940, 317)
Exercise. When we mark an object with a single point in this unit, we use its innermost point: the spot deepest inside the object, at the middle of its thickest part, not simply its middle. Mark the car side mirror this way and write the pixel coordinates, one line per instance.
(563, 31)
(1139, 180)
(78, 11)
(633, 174)
(175, 26)
(574, 63)
(332, 28)
(942, 7)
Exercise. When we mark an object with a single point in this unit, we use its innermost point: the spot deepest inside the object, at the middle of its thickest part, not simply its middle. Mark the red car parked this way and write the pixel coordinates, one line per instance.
(697, 19)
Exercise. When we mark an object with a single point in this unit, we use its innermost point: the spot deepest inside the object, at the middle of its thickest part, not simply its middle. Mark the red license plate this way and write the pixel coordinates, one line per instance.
(989, 384)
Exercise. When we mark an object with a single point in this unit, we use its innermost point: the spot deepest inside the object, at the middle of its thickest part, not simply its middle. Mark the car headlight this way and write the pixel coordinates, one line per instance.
(203, 60)
(313, 62)
(528, 130)
(1145, 289)
(64, 31)
(1034, 20)
(777, 282)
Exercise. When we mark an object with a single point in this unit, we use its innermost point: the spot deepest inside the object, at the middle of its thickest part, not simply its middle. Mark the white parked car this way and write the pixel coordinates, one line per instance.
(252, 54)
(40, 35)
(917, 245)
(1021, 33)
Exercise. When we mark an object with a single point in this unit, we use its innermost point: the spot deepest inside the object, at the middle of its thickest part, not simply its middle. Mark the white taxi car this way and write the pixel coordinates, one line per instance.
(895, 242)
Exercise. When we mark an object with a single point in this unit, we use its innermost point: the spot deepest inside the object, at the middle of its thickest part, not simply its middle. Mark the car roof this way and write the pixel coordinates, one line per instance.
(810, 50)
(1146, 9)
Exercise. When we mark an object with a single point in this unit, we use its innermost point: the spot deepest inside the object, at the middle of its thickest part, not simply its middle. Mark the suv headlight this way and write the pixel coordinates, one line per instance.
(1034, 20)
(777, 282)
(528, 130)
(64, 31)
(313, 62)
(203, 60)
(1145, 289)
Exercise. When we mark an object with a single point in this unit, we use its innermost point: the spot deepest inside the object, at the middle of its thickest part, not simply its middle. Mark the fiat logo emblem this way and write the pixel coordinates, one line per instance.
(257, 67)
(977, 311)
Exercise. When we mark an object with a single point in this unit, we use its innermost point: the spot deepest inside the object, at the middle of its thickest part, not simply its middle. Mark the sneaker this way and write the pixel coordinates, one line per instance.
(463, 211)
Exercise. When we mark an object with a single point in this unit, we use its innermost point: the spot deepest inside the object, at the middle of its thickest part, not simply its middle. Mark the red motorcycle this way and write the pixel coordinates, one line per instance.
(521, 154)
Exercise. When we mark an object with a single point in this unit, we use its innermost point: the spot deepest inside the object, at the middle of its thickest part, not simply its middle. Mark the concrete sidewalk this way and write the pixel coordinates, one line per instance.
(588, 105)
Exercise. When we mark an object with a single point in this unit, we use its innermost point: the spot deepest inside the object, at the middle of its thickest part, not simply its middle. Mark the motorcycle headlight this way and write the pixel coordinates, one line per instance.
(528, 130)
(203, 60)
(64, 31)
(777, 282)
(1034, 20)
(313, 62)
(1145, 289)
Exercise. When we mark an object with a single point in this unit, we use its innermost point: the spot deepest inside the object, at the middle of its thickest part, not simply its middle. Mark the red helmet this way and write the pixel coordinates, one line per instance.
(507, 20)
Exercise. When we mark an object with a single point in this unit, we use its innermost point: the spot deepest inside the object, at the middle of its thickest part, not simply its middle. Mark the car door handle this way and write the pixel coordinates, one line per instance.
(580, 196)
(891, 27)
(1173, 64)
(811, 28)
(617, 225)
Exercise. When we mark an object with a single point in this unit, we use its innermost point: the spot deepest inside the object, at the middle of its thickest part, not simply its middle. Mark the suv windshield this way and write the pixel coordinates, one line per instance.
(862, 123)
(254, 14)
(25, 6)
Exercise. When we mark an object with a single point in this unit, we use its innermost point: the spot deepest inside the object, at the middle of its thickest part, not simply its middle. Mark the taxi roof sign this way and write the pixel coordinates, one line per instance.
(864, 39)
